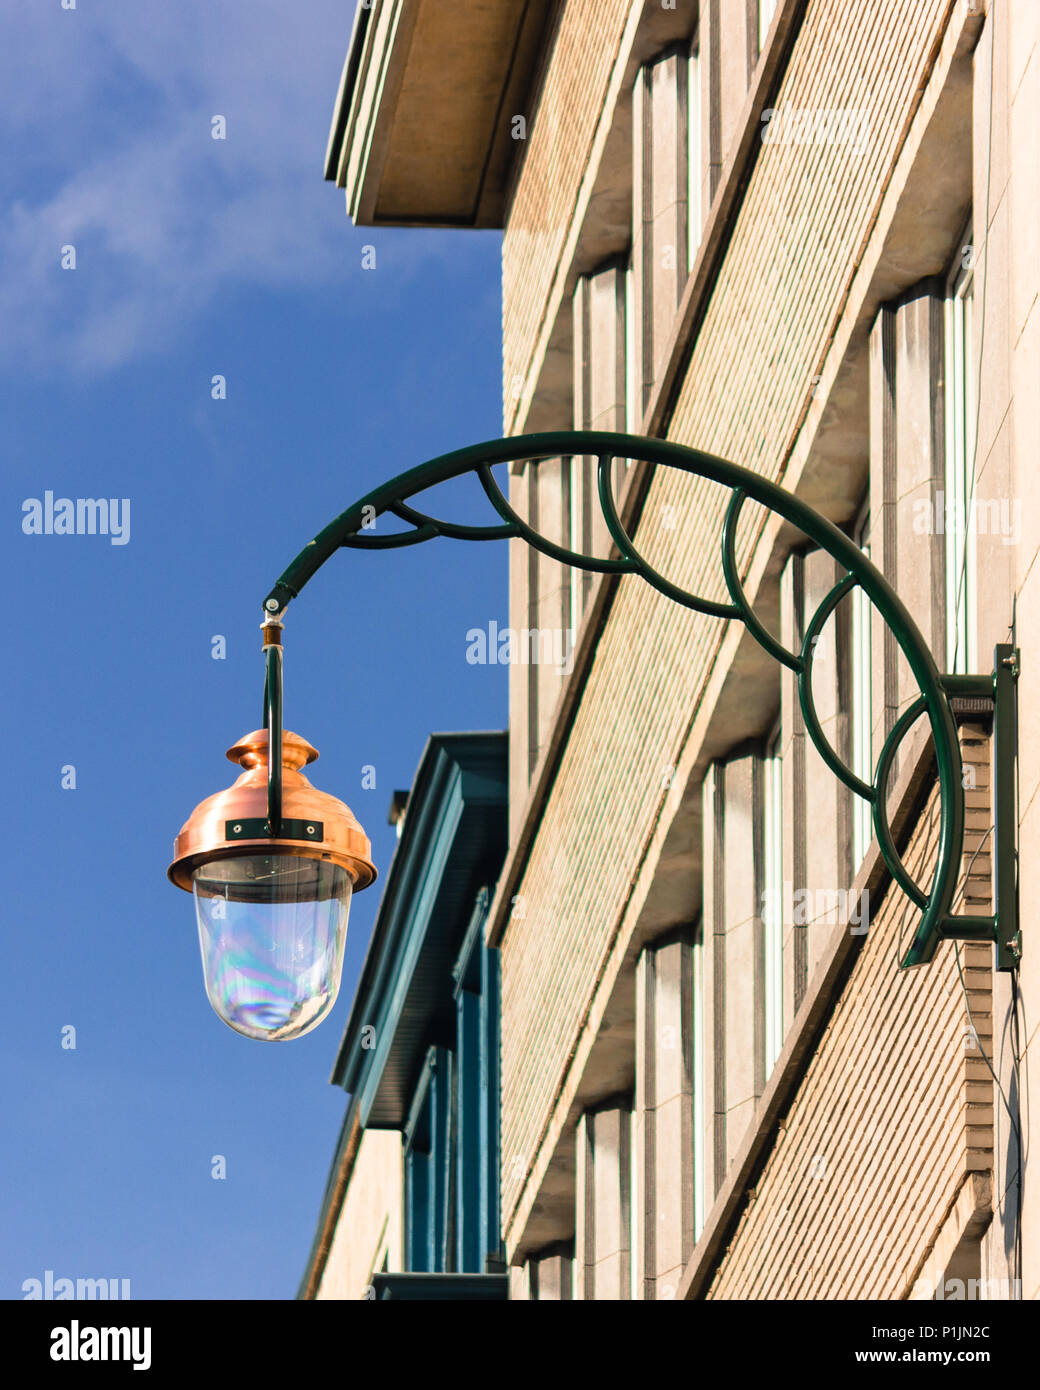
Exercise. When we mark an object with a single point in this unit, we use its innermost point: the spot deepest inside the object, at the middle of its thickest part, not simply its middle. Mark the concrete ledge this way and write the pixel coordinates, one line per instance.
(422, 129)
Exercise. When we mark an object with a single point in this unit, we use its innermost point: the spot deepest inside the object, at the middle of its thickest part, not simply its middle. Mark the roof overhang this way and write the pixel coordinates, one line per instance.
(423, 128)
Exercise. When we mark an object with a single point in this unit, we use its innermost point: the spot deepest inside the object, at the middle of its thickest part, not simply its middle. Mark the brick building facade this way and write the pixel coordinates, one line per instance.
(799, 235)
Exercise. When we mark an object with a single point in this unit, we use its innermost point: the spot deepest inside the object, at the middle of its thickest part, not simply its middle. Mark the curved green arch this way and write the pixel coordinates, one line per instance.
(350, 528)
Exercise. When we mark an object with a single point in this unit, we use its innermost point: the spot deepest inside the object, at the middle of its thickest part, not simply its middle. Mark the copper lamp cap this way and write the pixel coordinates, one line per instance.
(204, 836)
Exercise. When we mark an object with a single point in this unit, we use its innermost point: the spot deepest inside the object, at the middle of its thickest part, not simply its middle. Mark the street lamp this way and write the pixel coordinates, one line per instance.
(272, 862)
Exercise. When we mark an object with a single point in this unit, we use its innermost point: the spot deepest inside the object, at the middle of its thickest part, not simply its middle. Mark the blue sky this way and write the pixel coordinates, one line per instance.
(197, 257)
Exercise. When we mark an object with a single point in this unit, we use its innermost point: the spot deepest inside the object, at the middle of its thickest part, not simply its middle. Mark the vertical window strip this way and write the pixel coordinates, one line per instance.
(958, 503)
(773, 913)
(766, 11)
(862, 762)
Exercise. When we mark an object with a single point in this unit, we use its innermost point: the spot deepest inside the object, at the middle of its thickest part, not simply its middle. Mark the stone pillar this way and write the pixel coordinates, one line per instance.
(907, 480)
(817, 807)
(551, 1273)
(599, 338)
(603, 1214)
(734, 958)
(729, 35)
(539, 604)
(664, 1107)
(659, 226)
(523, 700)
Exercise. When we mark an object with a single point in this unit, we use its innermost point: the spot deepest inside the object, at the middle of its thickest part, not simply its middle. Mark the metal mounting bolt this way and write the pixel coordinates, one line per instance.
(271, 605)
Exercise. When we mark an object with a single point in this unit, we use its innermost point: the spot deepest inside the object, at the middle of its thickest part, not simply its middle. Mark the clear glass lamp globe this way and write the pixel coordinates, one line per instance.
(272, 909)
(272, 930)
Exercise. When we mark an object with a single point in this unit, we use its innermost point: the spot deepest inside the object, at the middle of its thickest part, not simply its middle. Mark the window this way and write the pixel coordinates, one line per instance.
(860, 654)
(957, 508)
(766, 11)
(773, 904)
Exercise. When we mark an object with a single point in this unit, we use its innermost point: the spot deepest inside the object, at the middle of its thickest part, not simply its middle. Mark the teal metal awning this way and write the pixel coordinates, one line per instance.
(452, 844)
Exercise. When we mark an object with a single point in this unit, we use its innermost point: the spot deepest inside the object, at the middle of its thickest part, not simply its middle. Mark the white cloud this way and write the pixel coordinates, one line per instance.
(107, 109)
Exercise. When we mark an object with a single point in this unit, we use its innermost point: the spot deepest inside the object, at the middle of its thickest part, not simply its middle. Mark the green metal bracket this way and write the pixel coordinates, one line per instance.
(353, 529)
(1005, 807)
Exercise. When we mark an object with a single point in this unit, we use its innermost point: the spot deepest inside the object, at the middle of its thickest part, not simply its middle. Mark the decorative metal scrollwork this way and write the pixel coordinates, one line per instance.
(351, 530)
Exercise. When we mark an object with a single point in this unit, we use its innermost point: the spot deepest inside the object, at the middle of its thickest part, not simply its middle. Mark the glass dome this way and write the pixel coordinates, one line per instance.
(272, 930)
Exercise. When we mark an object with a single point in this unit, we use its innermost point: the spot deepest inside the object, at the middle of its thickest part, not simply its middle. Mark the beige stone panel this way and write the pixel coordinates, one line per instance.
(713, 950)
(607, 344)
(520, 712)
(602, 1214)
(673, 1021)
(611, 1278)
(793, 752)
(551, 612)
(554, 1275)
(883, 466)
(673, 1212)
(371, 1219)
(642, 240)
(825, 809)
(664, 1103)
(738, 1118)
(991, 132)
(1026, 431)
(668, 201)
(742, 1064)
(710, 165)
(995, 558)
(742, 817)
(1024, 189)
(584, 1210)
(733, 49)
(992, 323)
(1023, 39)
(610, 1156)
(918, 565)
